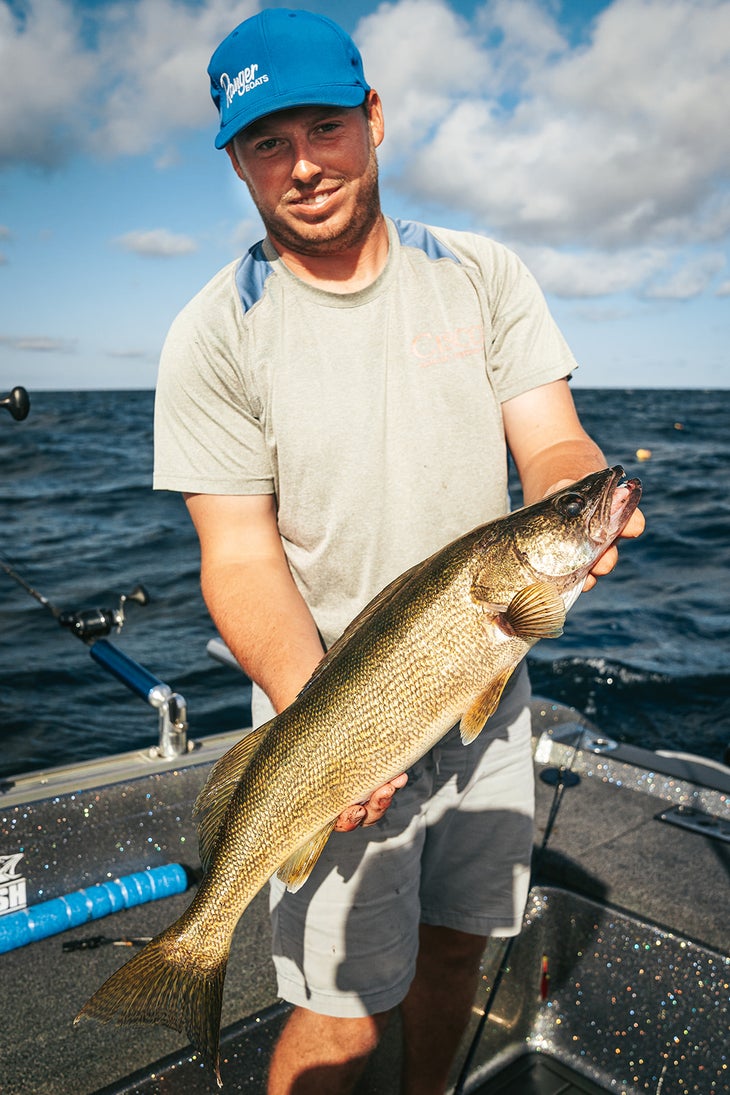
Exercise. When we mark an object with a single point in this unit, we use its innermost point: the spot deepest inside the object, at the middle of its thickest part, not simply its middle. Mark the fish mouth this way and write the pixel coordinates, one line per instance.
(614, 507)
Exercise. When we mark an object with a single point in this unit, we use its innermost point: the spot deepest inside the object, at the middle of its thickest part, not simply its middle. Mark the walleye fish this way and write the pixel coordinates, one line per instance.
(435, 648)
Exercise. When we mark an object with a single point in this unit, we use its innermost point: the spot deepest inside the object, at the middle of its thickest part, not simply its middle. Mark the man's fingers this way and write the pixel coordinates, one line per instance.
(608, 560)
(350, 819)
(635, 526)
(371, 811)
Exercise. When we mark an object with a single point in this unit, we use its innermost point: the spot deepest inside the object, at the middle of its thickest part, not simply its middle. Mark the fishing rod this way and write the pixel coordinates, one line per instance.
(17, 402)
(87, 624)
(560, 778)
(91, 626)
(12, 573)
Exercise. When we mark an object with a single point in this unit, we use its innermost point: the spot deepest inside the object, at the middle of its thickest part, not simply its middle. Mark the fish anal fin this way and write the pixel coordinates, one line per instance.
(483, 707)
(212, 802)
(535, 612)
(298, 867)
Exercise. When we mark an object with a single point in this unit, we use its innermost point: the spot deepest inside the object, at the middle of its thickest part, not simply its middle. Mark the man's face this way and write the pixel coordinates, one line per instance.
(312, 173)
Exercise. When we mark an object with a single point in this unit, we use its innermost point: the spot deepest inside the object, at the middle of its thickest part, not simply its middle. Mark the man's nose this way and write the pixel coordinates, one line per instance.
(305, 170)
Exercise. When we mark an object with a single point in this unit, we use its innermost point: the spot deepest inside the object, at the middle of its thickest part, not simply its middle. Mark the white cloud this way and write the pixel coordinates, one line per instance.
(689, 280)
(45, 75)
(592, 273)
(5, 234)
(153, 60)
(143, 78)
(156, 243)
(128, 355)
(603, 159)
(622, 141)
(438, 62)
(38, 344)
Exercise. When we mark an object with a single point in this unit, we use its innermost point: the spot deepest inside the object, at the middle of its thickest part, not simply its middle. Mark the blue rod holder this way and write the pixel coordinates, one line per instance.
(126, 669)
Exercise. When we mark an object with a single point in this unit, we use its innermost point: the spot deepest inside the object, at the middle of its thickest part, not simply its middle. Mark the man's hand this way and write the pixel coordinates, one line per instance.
(552, 450)
(367, 813)
(608, 560)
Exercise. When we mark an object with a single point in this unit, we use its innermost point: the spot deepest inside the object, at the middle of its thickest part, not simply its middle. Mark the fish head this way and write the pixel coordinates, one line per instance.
(557, 540)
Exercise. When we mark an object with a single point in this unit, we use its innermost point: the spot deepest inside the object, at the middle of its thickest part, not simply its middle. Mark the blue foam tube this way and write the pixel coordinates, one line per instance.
(50, 917)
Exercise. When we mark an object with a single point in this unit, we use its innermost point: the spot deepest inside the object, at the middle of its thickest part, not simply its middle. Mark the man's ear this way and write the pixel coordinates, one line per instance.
(231, 150)
(375, 116)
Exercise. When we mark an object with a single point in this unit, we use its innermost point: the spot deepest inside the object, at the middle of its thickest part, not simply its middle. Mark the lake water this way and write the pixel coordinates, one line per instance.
(645, 655)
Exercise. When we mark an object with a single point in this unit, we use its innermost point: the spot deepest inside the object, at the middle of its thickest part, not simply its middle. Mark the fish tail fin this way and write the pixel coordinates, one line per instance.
(162, 985)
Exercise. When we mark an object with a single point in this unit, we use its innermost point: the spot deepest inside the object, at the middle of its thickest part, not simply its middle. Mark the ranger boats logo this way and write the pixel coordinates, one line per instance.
(246, 80)
(12, 884)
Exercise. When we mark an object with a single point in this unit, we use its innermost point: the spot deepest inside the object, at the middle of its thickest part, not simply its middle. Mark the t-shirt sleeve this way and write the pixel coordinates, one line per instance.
(208, 438)
(527, 347)
(524, 346)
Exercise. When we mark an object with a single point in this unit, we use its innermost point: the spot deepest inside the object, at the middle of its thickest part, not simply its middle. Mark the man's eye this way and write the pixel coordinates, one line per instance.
(266, 146)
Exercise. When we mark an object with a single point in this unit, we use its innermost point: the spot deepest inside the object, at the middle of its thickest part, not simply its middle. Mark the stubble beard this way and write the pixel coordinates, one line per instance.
(325, 239)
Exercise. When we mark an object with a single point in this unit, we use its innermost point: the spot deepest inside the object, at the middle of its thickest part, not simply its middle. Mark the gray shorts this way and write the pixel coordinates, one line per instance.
(453, 849)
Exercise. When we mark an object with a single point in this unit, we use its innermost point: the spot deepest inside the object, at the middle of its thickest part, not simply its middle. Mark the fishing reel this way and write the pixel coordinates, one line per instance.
(94, 623)
(17, 402)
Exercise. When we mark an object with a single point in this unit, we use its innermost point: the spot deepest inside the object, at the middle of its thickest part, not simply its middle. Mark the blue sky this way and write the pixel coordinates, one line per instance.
(590, 136)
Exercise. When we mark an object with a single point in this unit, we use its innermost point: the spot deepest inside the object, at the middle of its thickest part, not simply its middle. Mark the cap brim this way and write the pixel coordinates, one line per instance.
(337, 95)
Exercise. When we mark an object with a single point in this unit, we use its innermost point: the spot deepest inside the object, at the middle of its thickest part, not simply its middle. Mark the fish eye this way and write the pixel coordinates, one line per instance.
(571, 504)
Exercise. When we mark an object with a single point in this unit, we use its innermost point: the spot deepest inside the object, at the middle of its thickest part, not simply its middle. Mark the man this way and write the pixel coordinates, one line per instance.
(335, 407)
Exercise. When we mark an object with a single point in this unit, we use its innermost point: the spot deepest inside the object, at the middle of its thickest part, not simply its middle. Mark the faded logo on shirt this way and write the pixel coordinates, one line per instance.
(438, 348)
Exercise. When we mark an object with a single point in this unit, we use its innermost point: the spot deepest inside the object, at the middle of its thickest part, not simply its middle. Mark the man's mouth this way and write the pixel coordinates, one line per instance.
(316, 200)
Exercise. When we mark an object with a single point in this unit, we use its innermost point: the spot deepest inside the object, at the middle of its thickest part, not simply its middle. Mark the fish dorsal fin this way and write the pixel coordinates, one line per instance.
(536, 612)
(212, 802)
(473, 720)
(298, 867)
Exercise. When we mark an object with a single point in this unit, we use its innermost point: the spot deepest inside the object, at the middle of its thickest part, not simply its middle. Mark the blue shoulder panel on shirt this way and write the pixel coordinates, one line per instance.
(413, 234)
(253, 270)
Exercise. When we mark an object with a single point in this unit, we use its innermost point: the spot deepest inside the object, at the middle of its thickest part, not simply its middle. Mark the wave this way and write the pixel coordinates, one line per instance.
(643, 707)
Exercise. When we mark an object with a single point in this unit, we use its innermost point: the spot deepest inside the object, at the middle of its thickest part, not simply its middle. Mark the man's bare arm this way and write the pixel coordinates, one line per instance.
(250, 592)
(259, 611)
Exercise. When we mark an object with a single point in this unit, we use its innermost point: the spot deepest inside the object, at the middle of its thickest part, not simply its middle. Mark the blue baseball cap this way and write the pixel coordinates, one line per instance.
(280, 59)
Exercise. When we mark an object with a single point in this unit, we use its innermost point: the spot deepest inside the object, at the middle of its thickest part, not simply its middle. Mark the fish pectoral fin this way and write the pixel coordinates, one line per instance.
(298, 867)
(212, 802)
(473, 720)
(536, 612)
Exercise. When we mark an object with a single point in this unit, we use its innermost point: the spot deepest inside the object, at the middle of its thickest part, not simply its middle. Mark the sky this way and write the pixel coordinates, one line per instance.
(592, 137)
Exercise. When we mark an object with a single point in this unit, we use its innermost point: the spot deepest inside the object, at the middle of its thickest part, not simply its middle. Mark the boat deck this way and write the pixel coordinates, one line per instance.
(630, 912)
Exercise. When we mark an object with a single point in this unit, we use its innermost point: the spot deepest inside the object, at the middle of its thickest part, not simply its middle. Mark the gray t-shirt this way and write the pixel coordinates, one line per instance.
(374, 417)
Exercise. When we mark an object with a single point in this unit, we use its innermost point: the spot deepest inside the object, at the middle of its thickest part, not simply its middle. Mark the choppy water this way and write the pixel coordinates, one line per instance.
(645, 654)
